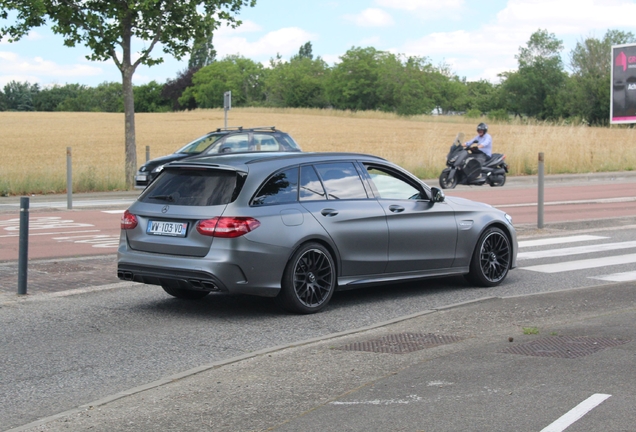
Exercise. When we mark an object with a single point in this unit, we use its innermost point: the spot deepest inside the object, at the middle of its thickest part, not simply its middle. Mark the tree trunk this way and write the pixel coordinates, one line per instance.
(129, 118)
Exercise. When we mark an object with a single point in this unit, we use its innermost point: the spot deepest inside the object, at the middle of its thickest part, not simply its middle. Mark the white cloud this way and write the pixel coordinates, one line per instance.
(568, 16)
(371, 17)
(491, 48)
(34, 36)
(283, 41)
(421, 5)
(37, 69)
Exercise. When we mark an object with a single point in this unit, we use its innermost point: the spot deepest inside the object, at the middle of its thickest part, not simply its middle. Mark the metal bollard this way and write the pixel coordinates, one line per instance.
(23, 251)
(69, 179)
(540, 198)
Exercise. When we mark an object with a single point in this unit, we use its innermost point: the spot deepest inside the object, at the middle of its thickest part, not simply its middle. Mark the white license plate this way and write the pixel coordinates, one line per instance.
(141, 178)
(173, 229)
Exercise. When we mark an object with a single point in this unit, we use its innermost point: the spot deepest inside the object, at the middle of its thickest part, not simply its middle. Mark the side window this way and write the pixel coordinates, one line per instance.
(232, 144)
(391, 187)
(281, 188)
(341, 181)
(264, 142)
(310, 187)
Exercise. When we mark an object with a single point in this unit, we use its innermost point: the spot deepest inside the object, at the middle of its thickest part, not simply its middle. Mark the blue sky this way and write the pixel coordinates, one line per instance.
(478, 39)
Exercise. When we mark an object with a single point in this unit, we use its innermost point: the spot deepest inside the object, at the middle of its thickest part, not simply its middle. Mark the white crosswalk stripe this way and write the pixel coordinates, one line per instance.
(551, 253)
(558, 240)
(579, 264)
(583, 264)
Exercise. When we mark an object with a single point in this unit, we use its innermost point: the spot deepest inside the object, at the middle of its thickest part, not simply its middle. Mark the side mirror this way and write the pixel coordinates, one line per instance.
(437, 195)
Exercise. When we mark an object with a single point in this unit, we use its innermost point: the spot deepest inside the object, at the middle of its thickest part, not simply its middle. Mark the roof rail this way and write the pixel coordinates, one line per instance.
(240, 128)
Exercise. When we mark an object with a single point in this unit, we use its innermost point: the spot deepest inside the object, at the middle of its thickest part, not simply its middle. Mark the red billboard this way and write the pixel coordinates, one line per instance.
(623, 93)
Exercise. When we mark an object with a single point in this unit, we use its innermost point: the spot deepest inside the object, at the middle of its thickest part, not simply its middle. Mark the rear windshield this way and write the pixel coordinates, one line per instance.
(190, 187)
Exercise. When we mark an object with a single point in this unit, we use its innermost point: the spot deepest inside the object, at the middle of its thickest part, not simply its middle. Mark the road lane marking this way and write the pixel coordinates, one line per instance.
(113, 211)
(574, 202)
(576, 413)
(578, 250)
(583, 264)
(50, 233)
(617, 277)
(559, 240)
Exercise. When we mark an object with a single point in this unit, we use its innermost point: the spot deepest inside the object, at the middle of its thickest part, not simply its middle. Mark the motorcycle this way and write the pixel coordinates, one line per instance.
(470, 166)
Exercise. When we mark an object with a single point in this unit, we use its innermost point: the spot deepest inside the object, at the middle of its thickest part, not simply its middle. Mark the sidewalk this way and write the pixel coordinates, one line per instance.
(498, 364)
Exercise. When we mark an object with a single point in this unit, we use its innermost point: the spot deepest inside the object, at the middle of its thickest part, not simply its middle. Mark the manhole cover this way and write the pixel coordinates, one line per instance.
(564, 346)
(400, 343)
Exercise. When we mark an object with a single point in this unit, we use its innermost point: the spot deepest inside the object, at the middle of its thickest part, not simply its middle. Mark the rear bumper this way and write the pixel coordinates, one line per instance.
(222, 271)
(185, 279)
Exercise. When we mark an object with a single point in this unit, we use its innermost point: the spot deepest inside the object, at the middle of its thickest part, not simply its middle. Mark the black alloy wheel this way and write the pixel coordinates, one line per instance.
(491, 259)
(309, 280)
(445, 181)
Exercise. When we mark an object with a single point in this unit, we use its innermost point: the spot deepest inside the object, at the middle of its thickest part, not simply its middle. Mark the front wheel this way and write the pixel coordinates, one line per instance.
(309, 280)
(446, 181)
(491, 258)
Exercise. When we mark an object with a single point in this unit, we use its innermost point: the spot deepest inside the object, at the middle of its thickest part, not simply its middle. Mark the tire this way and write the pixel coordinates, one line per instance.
(184, 293)
(445, 182)
(491, 258)
(498, 183)
(309, 280)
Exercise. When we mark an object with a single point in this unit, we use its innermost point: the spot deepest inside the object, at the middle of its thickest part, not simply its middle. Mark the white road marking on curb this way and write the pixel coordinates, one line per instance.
(576, 413)
(578, 250)
(559, 240)
(582, 264)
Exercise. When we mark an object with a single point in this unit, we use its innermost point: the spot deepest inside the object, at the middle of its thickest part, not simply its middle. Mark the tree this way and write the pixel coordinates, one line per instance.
(240, 75)
(297, 83)
(534, 88)
(148, 98)
(590, 61)
(203, 52)
(173, 90)
(18, 96)
(52, 98)
(305, 51)
(109, 27)
(353, 81)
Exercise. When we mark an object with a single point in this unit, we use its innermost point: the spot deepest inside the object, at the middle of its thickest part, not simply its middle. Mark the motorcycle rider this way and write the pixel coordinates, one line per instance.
(483, 140)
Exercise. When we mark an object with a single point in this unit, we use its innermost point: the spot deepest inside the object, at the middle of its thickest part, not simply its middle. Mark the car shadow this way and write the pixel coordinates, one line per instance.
(245, 306)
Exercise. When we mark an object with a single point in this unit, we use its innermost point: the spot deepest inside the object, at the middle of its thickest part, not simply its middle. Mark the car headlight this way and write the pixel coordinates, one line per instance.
(509, 218)
(158, 169)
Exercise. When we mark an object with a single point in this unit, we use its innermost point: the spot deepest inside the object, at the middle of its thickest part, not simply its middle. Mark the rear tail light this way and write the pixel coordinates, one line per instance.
(227, 227)
(128, 220)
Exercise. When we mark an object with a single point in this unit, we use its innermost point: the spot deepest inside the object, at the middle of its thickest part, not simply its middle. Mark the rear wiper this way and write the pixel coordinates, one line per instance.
(169, 198)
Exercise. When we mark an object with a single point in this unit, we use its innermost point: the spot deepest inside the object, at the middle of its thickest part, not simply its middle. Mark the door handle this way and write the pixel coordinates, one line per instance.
(396, 208)
(329, 212)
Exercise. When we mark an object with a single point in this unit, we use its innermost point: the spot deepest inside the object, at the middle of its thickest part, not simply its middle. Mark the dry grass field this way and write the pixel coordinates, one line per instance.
(34, 144)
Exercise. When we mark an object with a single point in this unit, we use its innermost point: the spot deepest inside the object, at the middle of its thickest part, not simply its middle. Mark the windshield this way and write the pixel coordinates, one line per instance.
(199, 144)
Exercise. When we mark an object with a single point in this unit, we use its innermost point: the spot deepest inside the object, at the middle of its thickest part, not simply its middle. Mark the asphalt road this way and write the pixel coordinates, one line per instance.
(64, 348)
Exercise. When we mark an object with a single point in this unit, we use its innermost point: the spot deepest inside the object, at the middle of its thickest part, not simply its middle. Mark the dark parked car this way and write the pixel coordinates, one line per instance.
(299, 226)
(228, 140)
